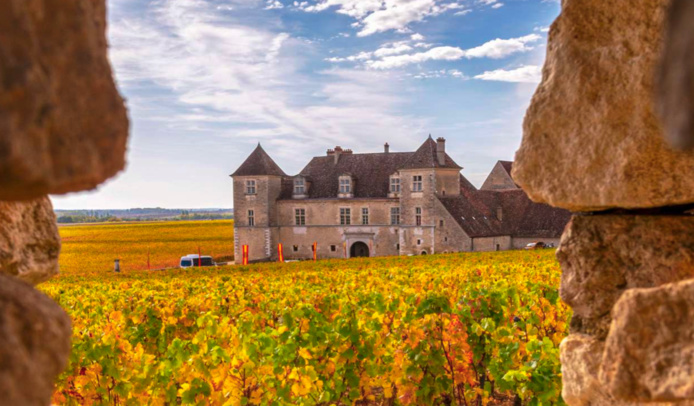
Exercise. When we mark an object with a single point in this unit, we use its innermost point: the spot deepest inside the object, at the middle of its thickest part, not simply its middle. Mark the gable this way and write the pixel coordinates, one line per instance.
(500, 177)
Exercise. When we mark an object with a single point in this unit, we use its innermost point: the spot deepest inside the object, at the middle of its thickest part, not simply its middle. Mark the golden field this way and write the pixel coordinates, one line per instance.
(92, 248)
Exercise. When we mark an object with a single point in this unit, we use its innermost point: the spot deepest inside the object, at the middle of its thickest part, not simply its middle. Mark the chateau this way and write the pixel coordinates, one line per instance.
(380, 204)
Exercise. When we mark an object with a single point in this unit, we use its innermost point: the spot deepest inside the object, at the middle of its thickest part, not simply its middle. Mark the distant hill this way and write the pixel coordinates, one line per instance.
(141, 214)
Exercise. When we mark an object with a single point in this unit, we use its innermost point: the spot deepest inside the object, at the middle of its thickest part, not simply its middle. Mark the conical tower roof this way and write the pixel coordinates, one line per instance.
(259, 163)
(425, 157)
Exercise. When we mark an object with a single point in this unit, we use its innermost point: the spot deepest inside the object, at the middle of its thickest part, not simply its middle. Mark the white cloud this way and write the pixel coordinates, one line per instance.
(438, 53)
(274, 4)
(374, 16)
(215, 69)
(417, 37)
(524, 74)
(442, 73)
(497, 5)
(495, 49)
(500, 48)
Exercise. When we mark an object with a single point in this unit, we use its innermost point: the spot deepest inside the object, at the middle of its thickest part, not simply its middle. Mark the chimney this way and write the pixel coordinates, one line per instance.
(386, 148)
(441, 150)
(337, 152)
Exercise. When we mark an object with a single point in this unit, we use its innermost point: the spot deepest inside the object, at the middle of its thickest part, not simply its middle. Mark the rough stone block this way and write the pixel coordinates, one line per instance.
(604, 256)
(581, 356)
(34, 344)
(591, 139)
(63, 125)
(649, 353)
(29, 240)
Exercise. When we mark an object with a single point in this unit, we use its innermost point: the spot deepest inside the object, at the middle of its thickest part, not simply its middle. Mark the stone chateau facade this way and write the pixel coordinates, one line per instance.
(383, 204)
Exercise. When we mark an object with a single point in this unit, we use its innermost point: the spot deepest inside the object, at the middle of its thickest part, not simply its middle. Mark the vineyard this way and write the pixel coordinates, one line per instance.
(89, 249)
(459, 329)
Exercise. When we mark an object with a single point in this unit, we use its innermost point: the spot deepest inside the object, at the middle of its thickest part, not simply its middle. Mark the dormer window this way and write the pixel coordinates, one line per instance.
(394, 184)
(299, 186)
(345, 185)
(250, 187)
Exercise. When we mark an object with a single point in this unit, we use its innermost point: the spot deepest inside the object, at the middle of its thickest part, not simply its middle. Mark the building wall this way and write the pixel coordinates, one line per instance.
(414, 240)
(260, 237)
(500, 243)
(499, 179)
(323, 226)
(448, 182)
(450, 237)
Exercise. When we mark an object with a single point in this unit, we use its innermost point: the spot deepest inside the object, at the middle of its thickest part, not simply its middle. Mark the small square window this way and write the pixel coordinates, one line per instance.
(333, 248)
(296, 248)
(345, 216)
(440, 223)
(250, 187)
(300, 217)
(417, 183)
(419, 242)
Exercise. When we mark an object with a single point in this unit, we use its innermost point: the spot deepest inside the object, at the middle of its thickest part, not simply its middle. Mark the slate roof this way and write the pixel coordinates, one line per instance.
(475, 211)
(425, 157)
(370, 172)
(508, 165)
(259, 163)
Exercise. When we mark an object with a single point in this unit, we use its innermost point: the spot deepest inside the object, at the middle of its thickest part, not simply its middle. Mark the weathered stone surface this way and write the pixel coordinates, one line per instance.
(676, 77)
(591, 137)
(603, 256)
(34, 344)
(649, 353)
(63, 125)
(29, 240)
(581, 356)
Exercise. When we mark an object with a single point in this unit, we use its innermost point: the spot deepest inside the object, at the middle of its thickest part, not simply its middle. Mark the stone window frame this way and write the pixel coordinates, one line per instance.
(345, 183)
(300, 186)
(251, 218)
(418, 216)
(345, 216)
(395, 186)
(251, 187)
(417, 183)
(394, 216)
(365, 216)
(300, 216)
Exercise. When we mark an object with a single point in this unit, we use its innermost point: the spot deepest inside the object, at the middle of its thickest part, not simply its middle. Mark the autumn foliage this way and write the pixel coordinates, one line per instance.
(461, 329)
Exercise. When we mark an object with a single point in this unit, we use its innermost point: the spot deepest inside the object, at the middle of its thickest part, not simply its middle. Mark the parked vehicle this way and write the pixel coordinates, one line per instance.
(536, 246)
(193, 260)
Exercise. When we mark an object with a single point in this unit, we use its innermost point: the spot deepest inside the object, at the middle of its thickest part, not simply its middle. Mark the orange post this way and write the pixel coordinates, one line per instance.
(315, 251)
(244, 250)
(280, 252)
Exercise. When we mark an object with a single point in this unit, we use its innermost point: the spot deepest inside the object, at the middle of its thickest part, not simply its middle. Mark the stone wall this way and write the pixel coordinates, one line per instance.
(627, 256)
(63, 128)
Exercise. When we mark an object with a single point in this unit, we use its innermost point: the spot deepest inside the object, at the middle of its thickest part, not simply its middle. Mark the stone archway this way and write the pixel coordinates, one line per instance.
(358, 250)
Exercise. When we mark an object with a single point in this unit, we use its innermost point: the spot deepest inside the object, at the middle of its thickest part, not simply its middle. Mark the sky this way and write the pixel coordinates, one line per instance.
(205, 81)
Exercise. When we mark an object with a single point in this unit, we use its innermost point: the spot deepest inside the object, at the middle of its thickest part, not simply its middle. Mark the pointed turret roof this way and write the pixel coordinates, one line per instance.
(259, 163)
(425, 157)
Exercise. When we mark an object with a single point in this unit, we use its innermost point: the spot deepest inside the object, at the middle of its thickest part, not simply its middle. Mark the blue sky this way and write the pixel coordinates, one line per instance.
(206, 80)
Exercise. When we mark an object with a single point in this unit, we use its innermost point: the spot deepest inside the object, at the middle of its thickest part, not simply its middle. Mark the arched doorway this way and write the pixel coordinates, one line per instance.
(359, 249)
